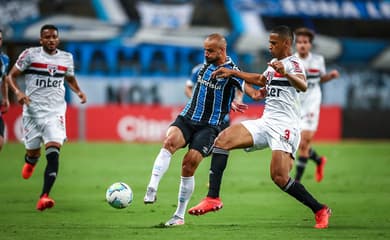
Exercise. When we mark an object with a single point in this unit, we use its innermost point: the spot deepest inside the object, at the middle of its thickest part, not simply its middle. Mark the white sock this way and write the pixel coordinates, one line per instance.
(160, 166)
(187, 185)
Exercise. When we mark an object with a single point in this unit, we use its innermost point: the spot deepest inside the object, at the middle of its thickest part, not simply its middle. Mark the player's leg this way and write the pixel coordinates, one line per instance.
(225, 141)
(303, 155)
(50, 175)
(217, 167)
(320, 164)
(199, 147)
(32, 143)
(53, 135)
(283, 151)
(173, 141)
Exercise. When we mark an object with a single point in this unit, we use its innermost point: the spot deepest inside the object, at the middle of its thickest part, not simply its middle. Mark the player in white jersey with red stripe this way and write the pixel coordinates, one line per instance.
(310, 101)
(278, 128)
(45, 69)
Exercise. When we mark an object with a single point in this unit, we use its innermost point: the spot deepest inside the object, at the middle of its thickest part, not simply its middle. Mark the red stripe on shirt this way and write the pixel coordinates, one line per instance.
(44, 66)
(312, 70)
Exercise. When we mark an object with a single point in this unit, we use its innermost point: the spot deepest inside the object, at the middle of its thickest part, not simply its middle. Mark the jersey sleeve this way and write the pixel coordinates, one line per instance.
(322, 66)
(295, 66)
(238, 82)
(70, 68)
(24, 60)
(4, 65)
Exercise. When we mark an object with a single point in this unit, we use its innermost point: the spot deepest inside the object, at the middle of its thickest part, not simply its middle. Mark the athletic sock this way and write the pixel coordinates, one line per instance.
(314, 156)
(187, 185)
(301, 165)
(31, 160)
(160, 166)
(218, 165)
(298, 191)
(52, 155)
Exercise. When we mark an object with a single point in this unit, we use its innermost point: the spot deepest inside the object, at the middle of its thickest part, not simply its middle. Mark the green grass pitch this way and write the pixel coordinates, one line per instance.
(356, 186)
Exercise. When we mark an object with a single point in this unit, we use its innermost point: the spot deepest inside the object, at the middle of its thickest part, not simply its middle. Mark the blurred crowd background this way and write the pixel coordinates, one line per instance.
(142, 52)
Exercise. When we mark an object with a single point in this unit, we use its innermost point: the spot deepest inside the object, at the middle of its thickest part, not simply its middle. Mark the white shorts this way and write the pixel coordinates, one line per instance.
(273, 135)
(310, 113)
(38, 130)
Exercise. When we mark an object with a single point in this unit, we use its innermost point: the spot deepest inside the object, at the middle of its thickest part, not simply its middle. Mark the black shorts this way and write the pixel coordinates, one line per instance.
(198, 136)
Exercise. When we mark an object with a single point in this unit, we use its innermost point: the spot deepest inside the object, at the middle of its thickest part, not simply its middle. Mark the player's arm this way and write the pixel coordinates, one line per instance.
(329, 76)
(72, 82)
(252, 78)
(297, 80)
(255, 94)
(11, 80)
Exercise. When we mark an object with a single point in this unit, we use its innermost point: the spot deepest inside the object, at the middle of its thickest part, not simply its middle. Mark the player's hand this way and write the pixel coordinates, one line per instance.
(222, 73)
(82, 96)
(334, 74)
(238, 106)
(278, 66)
(22, 98)
(4, 105)
(260, 94)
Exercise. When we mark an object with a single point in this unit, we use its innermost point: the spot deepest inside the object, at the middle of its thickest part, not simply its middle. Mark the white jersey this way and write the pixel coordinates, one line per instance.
(282, 102)
(311, 99)
(44, 79)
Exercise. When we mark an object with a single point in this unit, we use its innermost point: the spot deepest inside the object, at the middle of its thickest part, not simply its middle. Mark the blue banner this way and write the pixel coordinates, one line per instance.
(358, 9)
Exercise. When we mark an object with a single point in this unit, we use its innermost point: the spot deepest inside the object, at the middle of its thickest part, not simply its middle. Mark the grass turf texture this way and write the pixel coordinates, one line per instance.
(356, 186)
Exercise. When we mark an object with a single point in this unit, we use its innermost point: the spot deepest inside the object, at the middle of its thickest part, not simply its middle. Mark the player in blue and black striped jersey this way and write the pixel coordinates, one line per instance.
(4, 63)
(199, 123)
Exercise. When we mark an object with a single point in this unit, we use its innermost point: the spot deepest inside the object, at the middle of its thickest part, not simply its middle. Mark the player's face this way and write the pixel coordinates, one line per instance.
(49, 40)
(303, 45)
(277, 45)
(212, 51)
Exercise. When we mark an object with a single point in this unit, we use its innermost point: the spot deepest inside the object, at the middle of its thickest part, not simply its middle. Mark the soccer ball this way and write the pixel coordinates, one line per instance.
(119, 195)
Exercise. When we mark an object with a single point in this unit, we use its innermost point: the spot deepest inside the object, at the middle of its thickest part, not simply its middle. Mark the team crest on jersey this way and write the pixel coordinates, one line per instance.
(52, 69)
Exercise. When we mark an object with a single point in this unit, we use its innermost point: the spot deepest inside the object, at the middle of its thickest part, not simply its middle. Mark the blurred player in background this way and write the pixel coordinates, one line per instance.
(212, 201)
(278, 128)
(4, 62)
(198, 124)
(45, 68)
(310, 101)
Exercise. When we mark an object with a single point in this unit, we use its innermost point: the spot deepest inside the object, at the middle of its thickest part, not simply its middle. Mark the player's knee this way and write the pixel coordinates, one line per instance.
(190, 163)
(170, 144)
(279, 179)
(222, 141)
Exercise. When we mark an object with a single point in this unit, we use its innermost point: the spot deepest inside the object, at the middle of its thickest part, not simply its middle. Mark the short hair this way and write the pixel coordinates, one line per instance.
(48, 26)
(219, 38)
(305, 32)
(284, 32)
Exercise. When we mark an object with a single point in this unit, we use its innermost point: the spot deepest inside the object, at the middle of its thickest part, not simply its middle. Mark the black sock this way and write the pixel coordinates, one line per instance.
(313, 155)
(298, 191)
(31, 160)
(301, 165)
(52, 155)
(218, 165)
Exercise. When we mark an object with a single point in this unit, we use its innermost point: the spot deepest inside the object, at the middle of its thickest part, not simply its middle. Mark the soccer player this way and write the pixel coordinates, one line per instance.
(45, 68)
(310, 101)
(278, 128)
(4, 62)
(198, 124)
(218, 162)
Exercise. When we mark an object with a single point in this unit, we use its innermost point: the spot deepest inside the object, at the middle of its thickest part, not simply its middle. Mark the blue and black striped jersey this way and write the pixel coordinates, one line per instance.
(211, 99)
(4, 62)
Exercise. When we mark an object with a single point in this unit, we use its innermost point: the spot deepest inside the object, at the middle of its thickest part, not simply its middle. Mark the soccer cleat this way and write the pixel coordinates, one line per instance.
(45, 202)
(208, 204)
(320, 169)
(150, 196)
(322, 217)
(175, 221)
(27, 170)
